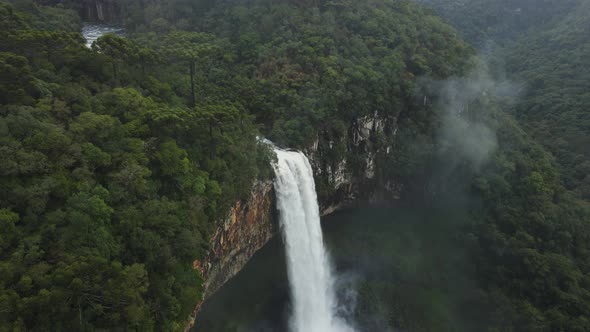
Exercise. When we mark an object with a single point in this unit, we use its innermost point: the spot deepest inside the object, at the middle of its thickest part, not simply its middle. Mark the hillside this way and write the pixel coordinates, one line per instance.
(499, 21)
(542, 45)
(554, 62)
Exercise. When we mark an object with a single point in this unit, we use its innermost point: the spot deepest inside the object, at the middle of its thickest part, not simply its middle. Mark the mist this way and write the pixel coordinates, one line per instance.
(462, 132)
(465, 105)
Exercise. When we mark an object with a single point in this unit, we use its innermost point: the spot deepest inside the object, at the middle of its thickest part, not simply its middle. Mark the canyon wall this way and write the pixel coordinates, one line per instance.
(248, 227)
(251, 223)
(358, 183)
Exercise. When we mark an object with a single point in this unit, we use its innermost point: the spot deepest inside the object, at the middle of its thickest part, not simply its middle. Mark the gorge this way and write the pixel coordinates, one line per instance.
(135, 193)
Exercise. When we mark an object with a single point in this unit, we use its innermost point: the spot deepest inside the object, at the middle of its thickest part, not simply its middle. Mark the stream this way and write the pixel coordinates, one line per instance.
(92, 31)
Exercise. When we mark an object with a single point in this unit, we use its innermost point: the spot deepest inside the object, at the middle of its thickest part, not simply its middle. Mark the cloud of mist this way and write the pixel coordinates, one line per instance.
(346, 285)
(466, 132)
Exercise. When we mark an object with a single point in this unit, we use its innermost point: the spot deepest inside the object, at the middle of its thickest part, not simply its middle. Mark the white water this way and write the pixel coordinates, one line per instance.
(310, 277)
(92, 32)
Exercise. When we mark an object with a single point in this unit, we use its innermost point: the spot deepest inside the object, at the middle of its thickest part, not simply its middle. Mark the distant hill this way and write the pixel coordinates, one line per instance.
(544, 44)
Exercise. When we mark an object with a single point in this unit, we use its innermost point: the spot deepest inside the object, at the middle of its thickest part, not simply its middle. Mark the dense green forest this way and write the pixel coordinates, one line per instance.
(119, 159)
(483, 22)
(554, 62)
(542, 45)
(110, 182)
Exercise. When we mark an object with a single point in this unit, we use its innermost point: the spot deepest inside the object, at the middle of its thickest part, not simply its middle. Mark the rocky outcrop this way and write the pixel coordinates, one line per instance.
(107, 11)
(248, 226)
(101, 11)
(353, 184)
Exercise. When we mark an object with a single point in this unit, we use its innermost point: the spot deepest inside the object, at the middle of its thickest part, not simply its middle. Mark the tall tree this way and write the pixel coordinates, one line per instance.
(194, 49)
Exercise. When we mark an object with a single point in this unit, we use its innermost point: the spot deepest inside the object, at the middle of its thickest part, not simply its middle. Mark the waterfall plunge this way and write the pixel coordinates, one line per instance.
(310, 277)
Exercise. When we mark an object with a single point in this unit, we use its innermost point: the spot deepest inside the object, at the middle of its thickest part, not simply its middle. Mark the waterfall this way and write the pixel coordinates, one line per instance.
(310, 276)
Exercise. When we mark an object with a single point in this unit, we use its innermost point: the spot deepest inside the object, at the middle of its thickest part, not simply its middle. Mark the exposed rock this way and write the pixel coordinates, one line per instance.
(370, 165)
(351, 186)
(247, 228)
(249, 225)
(365, 127)
(100, 11)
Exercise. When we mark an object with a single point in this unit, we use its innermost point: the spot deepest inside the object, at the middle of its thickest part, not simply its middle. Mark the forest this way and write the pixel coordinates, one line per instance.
(119, 159)
(543, 46)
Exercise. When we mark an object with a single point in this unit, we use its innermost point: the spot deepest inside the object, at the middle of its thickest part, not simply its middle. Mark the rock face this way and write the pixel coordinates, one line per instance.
(352, 184)
(247, 228)
(249, 225)
(100, 11)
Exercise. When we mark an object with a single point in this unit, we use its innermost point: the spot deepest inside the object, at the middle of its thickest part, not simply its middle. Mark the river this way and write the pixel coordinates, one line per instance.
(92, 31)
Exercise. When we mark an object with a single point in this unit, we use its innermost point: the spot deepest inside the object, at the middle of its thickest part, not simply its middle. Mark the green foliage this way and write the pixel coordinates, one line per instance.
(533, 239)
(308, 66)
(42, 17)
(555, 107)
(110, 184)
(487, 22)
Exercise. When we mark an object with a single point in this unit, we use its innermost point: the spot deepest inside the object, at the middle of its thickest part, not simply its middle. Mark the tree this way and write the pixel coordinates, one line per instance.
(118, 49)
(192, 48)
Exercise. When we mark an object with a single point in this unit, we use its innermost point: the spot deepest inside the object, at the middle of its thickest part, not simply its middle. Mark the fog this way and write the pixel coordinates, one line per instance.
(463, 130)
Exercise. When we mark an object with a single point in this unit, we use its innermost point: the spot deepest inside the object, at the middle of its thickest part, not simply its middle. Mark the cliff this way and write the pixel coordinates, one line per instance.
(100, 11)
(248, 226)
(353, 179)
(251, 223)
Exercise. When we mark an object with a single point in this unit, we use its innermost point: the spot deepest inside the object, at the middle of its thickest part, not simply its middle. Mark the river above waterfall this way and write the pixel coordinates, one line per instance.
(397, 269)
(92, 31)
